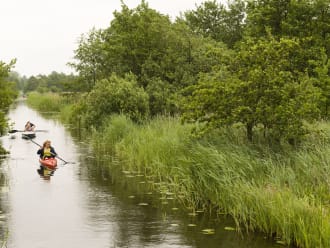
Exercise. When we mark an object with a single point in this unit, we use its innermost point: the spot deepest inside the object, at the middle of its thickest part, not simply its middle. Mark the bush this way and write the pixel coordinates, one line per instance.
(116, 95)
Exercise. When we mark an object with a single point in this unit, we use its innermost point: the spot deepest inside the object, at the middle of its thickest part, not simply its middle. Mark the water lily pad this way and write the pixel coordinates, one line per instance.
(192, 225)
(175, 209)
(208, 231)
(229, 228)
(143, 204)
(200, 211)
(131, 196)
(174, 224)
(281, 242)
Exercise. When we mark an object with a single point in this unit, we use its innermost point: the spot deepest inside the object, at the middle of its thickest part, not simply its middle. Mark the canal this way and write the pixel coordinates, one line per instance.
(84, 205)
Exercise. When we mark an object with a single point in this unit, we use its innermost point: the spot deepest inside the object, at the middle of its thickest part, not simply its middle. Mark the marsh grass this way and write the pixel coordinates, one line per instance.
(281, 192)
(47, 102)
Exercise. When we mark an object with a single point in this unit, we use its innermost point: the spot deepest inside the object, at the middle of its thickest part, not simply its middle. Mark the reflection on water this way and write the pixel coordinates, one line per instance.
(86, 205)
(45, 173)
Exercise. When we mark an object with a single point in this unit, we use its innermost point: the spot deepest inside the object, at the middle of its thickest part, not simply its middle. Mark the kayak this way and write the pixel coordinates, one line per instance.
(28, 135)
(49, 163)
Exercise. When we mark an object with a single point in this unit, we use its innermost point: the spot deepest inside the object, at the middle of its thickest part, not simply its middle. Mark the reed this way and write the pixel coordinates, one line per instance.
(285, 194)
(47, 102)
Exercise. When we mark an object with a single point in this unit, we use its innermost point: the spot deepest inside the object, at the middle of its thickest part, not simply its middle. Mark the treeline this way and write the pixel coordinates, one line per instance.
(260, 64)
(53, 82)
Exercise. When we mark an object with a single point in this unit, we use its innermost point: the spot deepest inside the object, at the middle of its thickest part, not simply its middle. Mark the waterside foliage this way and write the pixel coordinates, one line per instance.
(281, 191)
(284, 193)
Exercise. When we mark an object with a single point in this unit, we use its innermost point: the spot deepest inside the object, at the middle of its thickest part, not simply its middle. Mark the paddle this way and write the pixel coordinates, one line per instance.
(65, 162)
(15, 131)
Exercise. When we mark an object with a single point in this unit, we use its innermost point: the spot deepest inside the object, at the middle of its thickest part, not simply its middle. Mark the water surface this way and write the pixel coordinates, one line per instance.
(85, 205)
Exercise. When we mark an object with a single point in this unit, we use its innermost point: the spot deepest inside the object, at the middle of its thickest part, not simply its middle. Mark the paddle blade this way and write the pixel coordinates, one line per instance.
(13, 131)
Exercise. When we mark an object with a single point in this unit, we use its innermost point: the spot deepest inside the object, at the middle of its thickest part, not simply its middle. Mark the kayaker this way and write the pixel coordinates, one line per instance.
(47, 151)
(29, 126)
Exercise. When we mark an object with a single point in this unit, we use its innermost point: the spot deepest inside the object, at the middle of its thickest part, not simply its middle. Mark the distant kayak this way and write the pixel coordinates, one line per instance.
(28, 135)
(49, 163)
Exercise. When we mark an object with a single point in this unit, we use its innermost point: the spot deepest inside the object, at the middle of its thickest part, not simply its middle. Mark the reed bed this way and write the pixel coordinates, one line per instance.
(284, 194)
(47, 102)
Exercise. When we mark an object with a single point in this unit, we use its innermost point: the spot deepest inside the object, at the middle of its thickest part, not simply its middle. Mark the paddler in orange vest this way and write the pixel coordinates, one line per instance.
(47, 151)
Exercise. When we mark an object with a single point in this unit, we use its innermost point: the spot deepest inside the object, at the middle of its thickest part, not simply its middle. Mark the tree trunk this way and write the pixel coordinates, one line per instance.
(249, 134)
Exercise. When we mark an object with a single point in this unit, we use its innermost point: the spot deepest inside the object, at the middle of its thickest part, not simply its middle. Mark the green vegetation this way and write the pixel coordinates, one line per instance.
(8, 93)
(48, 102)
(283, 193)
(227, 106)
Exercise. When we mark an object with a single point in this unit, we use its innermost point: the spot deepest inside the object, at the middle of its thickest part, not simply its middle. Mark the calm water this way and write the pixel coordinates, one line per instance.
(84, 205)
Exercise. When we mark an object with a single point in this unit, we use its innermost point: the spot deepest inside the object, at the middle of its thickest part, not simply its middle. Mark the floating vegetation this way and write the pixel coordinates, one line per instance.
(143, 204)
(191, 225)
(174, 224)
(281, 242)
(131, 196)
(229, 228)
(175, 209)
(192, 214)
(208, 231)
(142, 182)
(200, 211)
(164, 202)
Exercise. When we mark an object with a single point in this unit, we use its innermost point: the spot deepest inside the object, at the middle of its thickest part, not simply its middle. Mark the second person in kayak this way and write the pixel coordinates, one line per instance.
(47, 151)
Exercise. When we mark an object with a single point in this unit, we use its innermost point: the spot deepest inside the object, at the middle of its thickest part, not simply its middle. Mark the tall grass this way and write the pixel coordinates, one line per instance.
(285, 194)
(47, 102)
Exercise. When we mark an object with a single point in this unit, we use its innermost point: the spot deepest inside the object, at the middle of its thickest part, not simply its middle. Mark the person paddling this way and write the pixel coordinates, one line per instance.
(47, 151)
(29, 126)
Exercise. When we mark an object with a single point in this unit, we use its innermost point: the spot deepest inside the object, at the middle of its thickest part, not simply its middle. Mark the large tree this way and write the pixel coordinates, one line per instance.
(264, 86)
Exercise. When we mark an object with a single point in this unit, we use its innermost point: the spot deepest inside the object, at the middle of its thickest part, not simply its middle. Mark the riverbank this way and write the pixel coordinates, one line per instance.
(281, 192)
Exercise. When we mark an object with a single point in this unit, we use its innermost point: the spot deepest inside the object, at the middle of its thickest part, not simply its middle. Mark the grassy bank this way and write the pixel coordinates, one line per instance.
(47, 102)
(283, 193)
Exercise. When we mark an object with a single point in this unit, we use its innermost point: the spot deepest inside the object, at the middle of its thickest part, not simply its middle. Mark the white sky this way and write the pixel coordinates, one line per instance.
(42, 34)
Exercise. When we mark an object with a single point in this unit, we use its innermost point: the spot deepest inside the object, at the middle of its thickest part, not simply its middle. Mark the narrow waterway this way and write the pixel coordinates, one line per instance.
(83, 205)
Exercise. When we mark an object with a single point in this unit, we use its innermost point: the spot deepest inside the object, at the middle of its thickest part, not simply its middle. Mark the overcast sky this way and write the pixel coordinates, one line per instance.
(42, 34)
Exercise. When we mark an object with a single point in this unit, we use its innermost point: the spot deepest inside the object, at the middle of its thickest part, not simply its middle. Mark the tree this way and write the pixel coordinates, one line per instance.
(220, 22)
(8, 92)
(263, 87)
(89, 59)
(116, 95)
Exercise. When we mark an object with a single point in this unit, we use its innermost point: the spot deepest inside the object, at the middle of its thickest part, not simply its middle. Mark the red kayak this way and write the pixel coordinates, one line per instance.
(50, 163)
